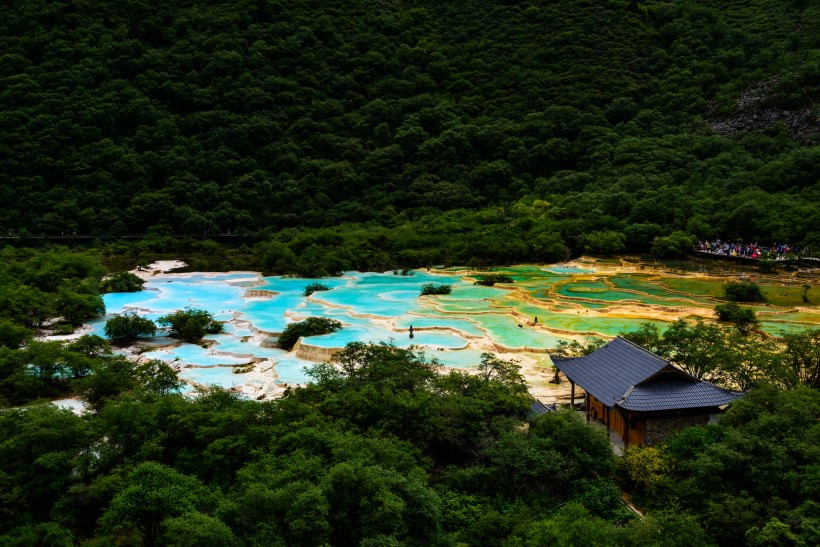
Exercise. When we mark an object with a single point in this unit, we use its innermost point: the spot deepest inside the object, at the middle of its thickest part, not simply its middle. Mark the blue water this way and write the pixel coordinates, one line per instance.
(220, 376)
(421, 321)
(563, 270)
(381, 307)
(227, 343)
(343, 337)
(369, 306)
(291, 369)
(196, 355)
(465, 358)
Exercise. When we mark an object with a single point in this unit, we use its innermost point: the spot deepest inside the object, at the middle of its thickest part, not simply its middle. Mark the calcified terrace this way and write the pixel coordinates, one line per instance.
(521, 320)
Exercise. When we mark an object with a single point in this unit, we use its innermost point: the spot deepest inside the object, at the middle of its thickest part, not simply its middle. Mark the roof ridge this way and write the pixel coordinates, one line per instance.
(633, 344)
(626, 394)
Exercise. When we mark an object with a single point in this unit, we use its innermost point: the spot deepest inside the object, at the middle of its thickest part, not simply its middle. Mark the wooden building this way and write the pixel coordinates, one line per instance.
(640, 395)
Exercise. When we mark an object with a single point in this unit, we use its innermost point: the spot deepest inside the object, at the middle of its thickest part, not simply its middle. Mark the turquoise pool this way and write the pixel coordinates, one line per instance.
(381, 307)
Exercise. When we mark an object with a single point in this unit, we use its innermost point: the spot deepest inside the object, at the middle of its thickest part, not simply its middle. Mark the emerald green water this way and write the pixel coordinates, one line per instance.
(694, 286)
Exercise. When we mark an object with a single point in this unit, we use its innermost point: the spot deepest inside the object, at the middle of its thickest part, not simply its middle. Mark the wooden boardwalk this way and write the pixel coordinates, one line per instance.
(815, 261)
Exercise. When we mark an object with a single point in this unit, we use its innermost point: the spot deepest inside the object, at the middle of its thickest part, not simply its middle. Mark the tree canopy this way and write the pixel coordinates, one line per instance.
(617, 122)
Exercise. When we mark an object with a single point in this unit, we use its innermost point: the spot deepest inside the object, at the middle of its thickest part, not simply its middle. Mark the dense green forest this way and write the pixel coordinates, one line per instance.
(608, 123)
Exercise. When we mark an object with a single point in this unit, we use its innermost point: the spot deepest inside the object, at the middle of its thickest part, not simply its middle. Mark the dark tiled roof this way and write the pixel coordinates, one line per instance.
(611, 370)
(626, 375)
(538, 408)
(674, 390)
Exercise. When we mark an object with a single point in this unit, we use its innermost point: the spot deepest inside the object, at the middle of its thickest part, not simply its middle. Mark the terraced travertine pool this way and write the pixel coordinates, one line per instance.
(545, 305)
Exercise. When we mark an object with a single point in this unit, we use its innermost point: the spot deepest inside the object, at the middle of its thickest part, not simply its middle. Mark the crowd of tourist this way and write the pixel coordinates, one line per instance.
(753, 250)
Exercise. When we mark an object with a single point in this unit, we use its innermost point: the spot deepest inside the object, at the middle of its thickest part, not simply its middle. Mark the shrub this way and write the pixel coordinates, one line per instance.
(491, 279)
(432, 288)
(743, 291)
(311, 288)
(643, 466)
(190, 325)
(312, 326)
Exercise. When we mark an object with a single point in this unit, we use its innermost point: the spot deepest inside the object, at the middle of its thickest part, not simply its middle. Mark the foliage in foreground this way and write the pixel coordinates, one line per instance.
(383, 447)
(751, 479)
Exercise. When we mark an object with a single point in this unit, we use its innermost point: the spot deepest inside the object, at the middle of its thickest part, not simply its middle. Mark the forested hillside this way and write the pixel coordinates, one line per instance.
(251, 116)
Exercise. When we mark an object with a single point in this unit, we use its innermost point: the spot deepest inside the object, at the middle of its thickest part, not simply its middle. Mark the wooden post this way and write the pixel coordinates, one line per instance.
(627, 424)
(586, 405)
(572, 395)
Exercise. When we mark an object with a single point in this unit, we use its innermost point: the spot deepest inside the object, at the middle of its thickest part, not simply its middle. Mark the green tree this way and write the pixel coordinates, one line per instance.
(75, 308)
(27, 306)
(604, 243)
(127, 328)
(190, 325)
(493, 368)
(122, 282)
(743, 291)
(43, 447)
(488, 280)
(91, 345)
(644, 466)
(775, 534)
(152, 494)
(13, 336)
(804, 293)
(312, 326)
(44, 533)
(801, 356)
(195, 529)
(110, 377)
(158, 377)
(744, 319)
(674, 245)
(276, 257)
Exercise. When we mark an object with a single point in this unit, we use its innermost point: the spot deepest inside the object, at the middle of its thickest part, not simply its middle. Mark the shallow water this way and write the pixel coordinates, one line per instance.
(221, 376)
(196, 355)
(380, 307)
